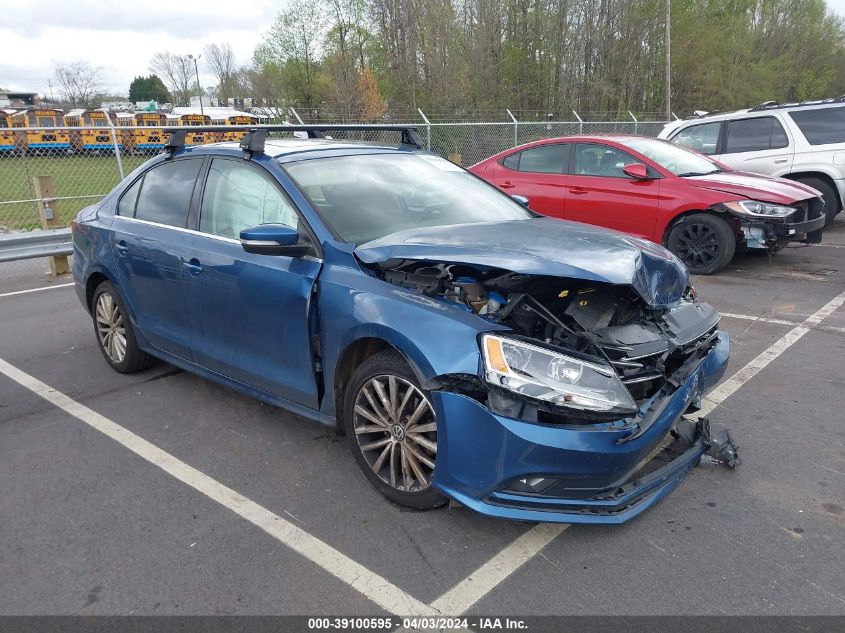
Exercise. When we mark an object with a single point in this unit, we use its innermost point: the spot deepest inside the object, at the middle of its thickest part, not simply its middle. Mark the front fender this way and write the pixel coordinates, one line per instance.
(436, 336)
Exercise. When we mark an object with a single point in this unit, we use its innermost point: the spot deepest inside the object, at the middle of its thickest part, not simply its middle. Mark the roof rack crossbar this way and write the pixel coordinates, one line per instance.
(254, 143)
(774, 105)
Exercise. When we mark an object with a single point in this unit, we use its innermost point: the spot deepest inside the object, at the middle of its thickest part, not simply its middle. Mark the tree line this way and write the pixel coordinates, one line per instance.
(364, 59)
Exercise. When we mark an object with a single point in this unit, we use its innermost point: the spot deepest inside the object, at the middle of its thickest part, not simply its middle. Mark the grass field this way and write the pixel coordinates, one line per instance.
(74, 175)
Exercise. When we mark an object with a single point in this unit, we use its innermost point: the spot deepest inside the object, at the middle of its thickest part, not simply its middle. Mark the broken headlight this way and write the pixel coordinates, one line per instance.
(757, 209)
(552, 377)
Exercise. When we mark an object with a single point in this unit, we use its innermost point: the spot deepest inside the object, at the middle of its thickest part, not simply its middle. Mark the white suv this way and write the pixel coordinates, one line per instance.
(801, 141)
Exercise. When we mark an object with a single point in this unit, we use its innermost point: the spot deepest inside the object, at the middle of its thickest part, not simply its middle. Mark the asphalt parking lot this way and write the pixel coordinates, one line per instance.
(161, 493)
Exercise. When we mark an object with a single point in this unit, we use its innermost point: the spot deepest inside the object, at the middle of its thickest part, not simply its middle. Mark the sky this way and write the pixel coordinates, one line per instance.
(121, 37)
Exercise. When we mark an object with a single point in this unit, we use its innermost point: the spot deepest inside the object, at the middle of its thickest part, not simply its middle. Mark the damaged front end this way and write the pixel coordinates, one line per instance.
(576, 412)
(772, 226)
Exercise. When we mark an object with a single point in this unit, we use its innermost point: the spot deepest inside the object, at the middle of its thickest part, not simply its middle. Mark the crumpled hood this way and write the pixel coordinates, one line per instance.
(543, 246)
(754, 186)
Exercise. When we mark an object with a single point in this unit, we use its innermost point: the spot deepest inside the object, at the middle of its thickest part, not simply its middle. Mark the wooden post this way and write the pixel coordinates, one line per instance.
(45, 191)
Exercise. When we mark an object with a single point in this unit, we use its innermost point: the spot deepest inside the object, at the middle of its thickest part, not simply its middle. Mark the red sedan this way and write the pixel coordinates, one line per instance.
(700, 209)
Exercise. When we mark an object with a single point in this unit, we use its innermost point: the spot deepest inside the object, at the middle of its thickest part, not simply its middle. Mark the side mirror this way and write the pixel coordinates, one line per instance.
(273, 239)
(637, 171)
(520, 200)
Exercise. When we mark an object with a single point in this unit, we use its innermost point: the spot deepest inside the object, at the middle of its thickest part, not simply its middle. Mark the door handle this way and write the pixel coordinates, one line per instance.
(122, 248)
(779, 161)
(193, 265)
(578, 191)
(507, 185)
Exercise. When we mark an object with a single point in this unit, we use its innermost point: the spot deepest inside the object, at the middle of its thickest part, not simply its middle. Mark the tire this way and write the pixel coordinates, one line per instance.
(114, 332)
(399, 464)
(831, 201)
(704, 242)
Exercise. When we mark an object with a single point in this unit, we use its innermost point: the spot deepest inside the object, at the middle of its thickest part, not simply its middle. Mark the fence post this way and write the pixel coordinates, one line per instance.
(635, 121)
(116, 146)
(427, 129)
(580, 122)
(515, 127)
(676, 116)
(296, 114)
(45, 191)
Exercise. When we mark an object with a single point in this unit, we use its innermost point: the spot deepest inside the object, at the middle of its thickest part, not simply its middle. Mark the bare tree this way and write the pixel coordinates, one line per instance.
(220, 60)
(177, 71)
(79, 81)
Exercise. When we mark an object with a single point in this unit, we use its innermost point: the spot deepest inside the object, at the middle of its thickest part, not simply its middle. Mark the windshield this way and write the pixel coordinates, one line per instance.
(678, 160)
(367, 197)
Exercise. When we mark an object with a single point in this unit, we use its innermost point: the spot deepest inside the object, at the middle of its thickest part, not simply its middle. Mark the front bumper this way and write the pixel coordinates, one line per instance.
(805, 229)
(603, 473)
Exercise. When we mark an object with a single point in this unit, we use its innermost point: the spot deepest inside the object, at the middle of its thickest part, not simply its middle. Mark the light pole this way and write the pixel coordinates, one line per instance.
(668, 47)
(199, 87)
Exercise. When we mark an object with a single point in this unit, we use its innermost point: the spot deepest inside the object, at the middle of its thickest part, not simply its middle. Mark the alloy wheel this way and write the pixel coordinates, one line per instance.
(110, 327)
(396, 431)
(698, 245)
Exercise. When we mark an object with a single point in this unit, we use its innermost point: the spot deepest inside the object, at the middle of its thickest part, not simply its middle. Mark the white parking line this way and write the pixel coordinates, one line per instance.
(377, 589)
(749, 317)
(729, 387)
(25, 292)
(487, 577)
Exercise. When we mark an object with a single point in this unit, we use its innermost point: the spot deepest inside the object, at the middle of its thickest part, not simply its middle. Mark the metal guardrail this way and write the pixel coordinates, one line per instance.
(29, 244)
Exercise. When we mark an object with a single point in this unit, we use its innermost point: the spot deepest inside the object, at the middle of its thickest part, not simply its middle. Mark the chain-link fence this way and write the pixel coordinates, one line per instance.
(85, 163)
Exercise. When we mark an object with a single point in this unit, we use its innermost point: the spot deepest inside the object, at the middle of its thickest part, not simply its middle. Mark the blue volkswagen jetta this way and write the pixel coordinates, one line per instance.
(527, 367)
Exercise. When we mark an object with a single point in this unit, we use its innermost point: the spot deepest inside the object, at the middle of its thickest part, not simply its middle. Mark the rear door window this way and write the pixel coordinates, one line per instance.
(166, 191)
(545, 159)
(754, 135)
(702, 138)
(821, 126)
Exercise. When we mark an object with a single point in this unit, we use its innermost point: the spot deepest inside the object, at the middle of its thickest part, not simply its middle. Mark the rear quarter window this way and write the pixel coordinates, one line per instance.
(821, 126)
(512, 161)
(126, 205)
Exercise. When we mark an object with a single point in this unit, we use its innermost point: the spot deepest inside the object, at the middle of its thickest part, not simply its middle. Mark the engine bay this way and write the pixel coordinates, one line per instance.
(607, 324)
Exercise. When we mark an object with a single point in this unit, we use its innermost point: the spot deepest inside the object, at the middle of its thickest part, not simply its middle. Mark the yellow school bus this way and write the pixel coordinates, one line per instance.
(196, 138)
(41, 140)
(90, 140)
(149, 136)
(235, 119)
(7, 136)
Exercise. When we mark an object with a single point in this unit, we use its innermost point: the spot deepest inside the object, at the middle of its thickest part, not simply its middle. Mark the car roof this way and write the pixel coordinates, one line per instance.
(620, 137)
(758, 111)
(585, 138)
